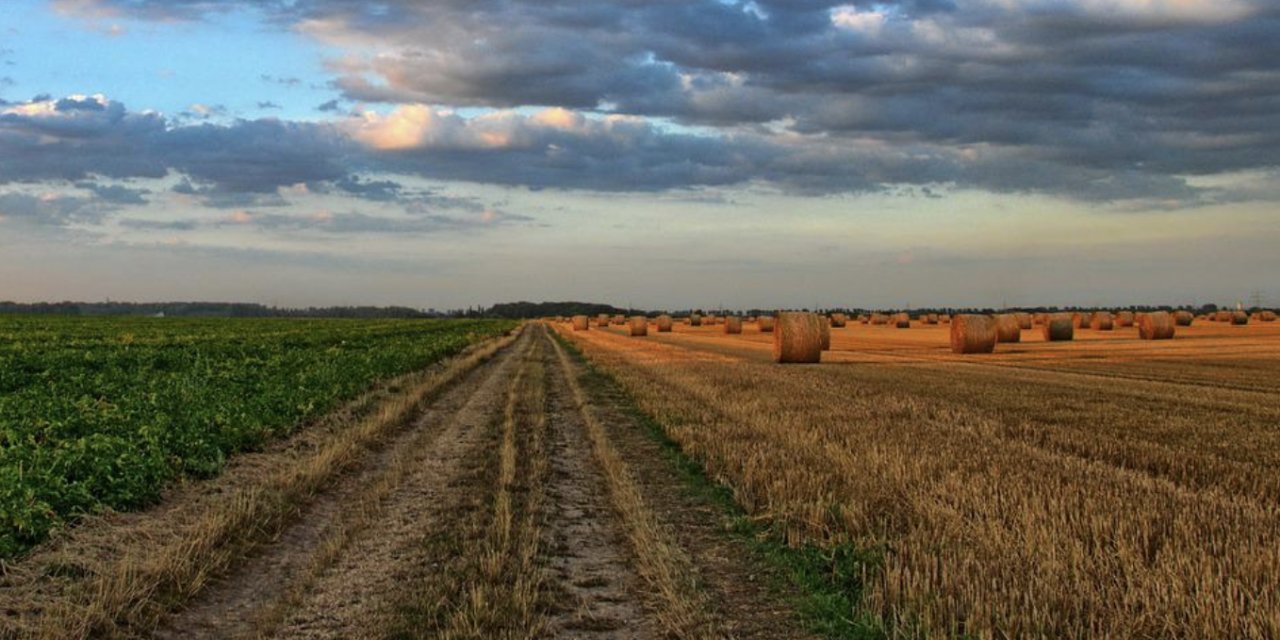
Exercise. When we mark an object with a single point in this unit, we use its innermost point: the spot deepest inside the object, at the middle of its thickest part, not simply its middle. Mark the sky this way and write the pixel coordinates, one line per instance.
(661, 154)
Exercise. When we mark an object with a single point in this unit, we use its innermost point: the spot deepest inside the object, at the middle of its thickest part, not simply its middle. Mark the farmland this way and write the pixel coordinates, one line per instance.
(102, 413)
(553, 482)
(1104, 486)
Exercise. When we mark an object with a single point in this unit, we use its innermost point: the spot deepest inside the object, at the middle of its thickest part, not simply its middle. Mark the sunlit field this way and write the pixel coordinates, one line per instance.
(1105, 486)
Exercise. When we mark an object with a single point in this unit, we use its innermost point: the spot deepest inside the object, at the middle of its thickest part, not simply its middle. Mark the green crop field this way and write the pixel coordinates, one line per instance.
(101, 413)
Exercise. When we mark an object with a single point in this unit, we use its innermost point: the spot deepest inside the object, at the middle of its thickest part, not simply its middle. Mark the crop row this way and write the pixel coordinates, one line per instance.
(103, 413)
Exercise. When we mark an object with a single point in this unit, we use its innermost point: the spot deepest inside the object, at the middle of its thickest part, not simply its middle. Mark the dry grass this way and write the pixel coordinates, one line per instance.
(683, 610)
(1104, 487)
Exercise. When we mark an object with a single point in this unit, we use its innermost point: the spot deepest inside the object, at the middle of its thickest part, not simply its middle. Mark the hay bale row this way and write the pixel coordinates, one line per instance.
(1058, 327)
(639, 326)
(1007, 328)
(797, 337)
(971, 333)
(1156, 326)
(1101, 321)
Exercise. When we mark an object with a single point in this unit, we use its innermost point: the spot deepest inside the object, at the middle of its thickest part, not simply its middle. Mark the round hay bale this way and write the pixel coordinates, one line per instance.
(797, 337)
(664, 323)
(1267, 316)
(765, 323)
(581, 323)
(931, 319)
(1079, 320)
(879, 319)
(1124, 319)
(1024, 320)
(902, 321)
(695, 320)
(1101, 321)
(639, 326)
(710, 320)
(1007, 328)
(1239, 318)
(971, 333)
(825, 330)
(864, 319)
(602, 320)
(1058, 327)
(1156, 326)
(1040, 318)
(944, 319)
(1183, 318)
(732, 324)
(619, 320)
(838, 320)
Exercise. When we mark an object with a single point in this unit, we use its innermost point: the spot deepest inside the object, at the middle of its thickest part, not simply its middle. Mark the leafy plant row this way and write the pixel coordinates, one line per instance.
(102, 413)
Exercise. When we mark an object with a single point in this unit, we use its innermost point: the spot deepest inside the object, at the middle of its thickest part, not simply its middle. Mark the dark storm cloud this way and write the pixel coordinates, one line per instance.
(1081, 98)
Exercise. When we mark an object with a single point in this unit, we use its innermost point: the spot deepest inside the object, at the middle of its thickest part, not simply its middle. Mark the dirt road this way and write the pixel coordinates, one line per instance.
(512, 501)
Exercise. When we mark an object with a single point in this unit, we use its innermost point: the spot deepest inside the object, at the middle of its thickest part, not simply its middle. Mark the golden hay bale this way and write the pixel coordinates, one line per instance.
(1058, 327)
(1040, 318)
(838, 320)
(732, 324)
(765, 323)
(944, 319)
(931, 319)
(710, 320)
(1101, 321)
(602, 320)
(581, 323)
(797, 337)
(826, 334)
(1024, 320)
(1124, 319)
(864, 319)
(1007, 328)
(1239, 318)
(695, 320)
(1183, 318)
(1267, 316)
(1156, 326)
(664, 323)
(902, 321)
(972, 333)
(619, 319)
(639, 326)
(1079, 320)
(879, 319)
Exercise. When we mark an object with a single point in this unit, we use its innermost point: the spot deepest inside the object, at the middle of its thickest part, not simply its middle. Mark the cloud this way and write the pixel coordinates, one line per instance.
(268, 105)
(115, 194)
(332, 105)
(47, 209)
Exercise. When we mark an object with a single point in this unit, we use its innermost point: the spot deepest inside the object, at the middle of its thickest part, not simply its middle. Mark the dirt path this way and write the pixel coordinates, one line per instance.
(518, 502)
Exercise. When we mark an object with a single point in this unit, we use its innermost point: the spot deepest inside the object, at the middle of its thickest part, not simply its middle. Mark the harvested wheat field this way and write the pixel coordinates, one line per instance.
(1106, 486)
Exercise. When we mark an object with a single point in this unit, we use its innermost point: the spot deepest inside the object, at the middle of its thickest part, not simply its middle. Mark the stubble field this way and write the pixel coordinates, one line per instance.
(1104, 487)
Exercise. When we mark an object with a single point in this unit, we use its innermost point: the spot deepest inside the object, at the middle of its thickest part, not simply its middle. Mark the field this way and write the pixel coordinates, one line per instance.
(441, 479)
(1102, 487)
(102, 413)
